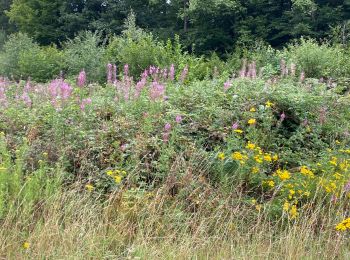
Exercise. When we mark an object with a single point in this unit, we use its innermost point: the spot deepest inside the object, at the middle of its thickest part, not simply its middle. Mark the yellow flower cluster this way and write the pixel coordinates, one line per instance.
(282, 174)
(292, 210)
(117, 175)
(344, 225)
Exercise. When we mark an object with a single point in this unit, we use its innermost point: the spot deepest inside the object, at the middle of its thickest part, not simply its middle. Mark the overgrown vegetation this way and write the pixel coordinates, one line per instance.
(131, 147)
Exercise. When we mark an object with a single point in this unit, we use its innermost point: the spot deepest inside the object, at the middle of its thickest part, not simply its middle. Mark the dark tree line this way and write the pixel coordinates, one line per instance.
(205, 24)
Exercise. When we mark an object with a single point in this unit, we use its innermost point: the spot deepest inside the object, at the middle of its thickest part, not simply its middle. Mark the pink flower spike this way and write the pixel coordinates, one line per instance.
(235, 126)
(178, 119)
(81, 81)
(167, 127)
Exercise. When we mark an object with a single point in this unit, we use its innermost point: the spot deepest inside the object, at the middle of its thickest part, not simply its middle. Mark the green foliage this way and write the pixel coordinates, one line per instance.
(319, 60)
(10, 57)
(86, 51)
(21, 189)
(41, 64)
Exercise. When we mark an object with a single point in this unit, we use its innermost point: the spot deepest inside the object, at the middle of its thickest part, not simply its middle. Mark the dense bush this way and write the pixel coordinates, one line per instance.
(12, 50)
(41, 64)
(319, 60)
(86, 51)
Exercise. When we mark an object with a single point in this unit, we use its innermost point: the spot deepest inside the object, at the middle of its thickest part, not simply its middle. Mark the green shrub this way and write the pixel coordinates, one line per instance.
(41, 64)
(85, 52)
(318, 60)
(10, 57)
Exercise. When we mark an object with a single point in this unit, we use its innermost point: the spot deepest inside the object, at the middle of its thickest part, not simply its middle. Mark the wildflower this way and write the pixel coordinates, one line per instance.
(109, 73)
(258, 159)
(184, 74)
(268, 104)
(110, 173)
(172, 72)
(286, 206)
(283, 175)
(293, 212)
(275, 157)
(26, 245)
(255, 170)
(167, 127)
(252, 109)
(117, 179)
(239, 157)
(227, 85)
(221, 156)
(344, 225)
(89, 187)
(238, 131)
(304, 170)
(333, 161)
(85, 102)
(282, 117)
(252, 121)
(81, 80)
(250, 146)
(258, 207)
(253, 201)
(267, 158)
(157, 91)
(235, 126)
(178, 119)
(271, 183)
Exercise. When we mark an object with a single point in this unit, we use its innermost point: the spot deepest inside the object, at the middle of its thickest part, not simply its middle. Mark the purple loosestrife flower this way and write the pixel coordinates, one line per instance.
(293, 69)
(283, 68)
(227, 85)
(178, 119)
(282, 117)
(166, 137)
(347, 186)
(235, 126)
(85, 102)
(157, 91)
(81, 80)
(140, 86)
(302, 77)
(59, 90)
(167, 127)
(126, 70)
(172, 72)
(3, 98)
(26, 99)
(109, 73)
(243, 71)
(184, 74)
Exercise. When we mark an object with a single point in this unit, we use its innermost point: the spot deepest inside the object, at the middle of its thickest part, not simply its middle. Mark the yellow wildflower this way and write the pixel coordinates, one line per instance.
(306, 171)
(258, 207)
(253, 201)
(271, 183)
(109, 173)
(268, 158)
(117, 179)
(333, 161)
(26, 245)
(269, 104)
(283, 175)
(252, 121)
(258, 159)
(238, 131)
(89, 187)
(252, 109)
(275, 157)
(293, 212)
(286, 206)
(255, 170)
(221, 156)
(250, 146)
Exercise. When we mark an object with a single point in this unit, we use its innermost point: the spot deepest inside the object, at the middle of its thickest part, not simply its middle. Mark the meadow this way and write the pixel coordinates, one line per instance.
(140, 150)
